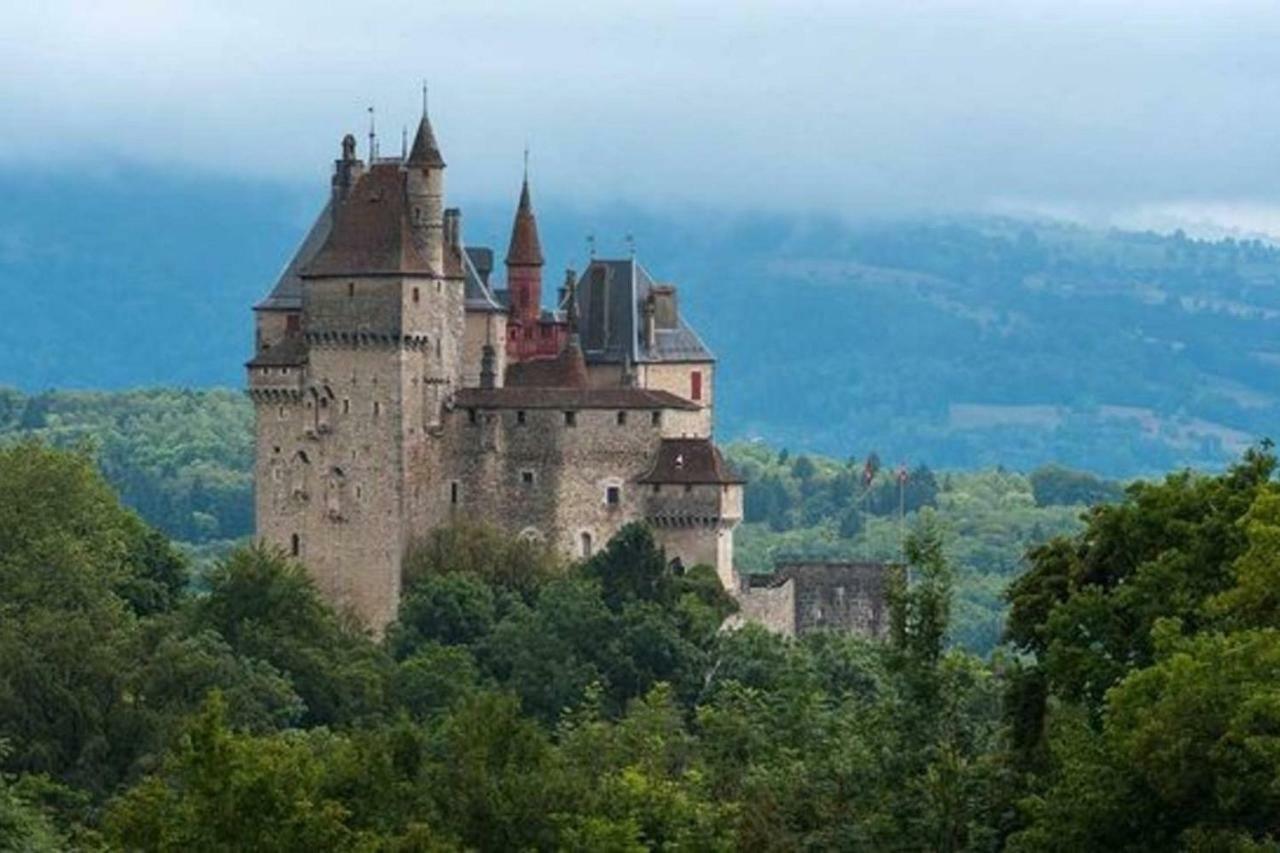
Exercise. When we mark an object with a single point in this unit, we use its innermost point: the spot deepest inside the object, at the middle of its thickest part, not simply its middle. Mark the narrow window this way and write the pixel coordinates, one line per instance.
(282, 415)
(622, 418)
(377, 409)
(346, 407)
(520, 417)
(657, 488)
(526, 477)
(695, 385)
(416, 296)
(295, 545)
(453, 492)
(570, 419)
(292, 323)
(351, 290)
(586, 544)
(471, 416)
(613, 495)
(656, 418)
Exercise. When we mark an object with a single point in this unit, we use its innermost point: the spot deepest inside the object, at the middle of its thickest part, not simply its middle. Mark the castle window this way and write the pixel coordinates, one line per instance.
(526, 477)
(688, 488)
(570, 419)
(377, 409)
(346, 407)
(657, 488)
(453, 492)
(622, 418)
(471, 416)
(416, 296)
(613, 495)
(656, 418)
(521, 417)
(292, 323)
(359, 492)
(695, 385)
(585, 541)
(351, 290)
(295, 545)
(282, 414)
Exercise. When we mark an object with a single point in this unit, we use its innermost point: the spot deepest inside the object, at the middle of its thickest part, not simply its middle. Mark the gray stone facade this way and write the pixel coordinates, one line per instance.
(383, 410)
(800, 597)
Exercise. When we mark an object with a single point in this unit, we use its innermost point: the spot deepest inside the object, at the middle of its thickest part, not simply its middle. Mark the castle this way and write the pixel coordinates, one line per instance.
(398, 388)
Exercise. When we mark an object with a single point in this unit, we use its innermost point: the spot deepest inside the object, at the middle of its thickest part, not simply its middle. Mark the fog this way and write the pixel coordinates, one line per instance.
(1155, 113)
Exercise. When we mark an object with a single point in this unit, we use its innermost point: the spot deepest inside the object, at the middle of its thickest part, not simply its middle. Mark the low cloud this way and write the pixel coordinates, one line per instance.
(847, 107)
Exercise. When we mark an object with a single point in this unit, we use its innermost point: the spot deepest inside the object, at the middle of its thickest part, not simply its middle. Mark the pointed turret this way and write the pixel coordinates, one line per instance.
(425, 152)
(525, 249)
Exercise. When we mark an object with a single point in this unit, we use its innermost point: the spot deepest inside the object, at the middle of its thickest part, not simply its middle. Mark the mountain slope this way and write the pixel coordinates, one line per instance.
(956, 342)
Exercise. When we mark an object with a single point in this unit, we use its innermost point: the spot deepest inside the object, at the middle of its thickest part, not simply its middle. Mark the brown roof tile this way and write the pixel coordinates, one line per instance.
(290, 352)
(570, 398)
(691, 461)
(371, 233)
(567, 370)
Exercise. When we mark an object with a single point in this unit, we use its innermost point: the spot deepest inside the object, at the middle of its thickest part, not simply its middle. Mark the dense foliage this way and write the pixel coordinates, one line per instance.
(520, 703)
(968, 342)
(813, 506)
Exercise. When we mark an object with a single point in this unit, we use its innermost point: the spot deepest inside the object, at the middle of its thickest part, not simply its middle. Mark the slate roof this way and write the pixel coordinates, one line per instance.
(610, 296)
(286, 295)
(478, 295)
(570, 398)
(690, 461)
(290, 352)
(371, 234)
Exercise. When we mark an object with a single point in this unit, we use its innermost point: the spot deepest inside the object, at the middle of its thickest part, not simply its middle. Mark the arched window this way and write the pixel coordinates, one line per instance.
(585, 542)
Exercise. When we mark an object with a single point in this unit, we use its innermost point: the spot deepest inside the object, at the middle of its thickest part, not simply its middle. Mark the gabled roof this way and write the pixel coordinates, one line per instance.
(690, 461)
(287, 293)
(371, 234)
(611, 295)
(425, 150)
(525, 249)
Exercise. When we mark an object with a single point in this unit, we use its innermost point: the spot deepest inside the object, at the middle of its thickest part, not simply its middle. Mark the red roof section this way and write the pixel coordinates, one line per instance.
(691, 461)
(525, 249)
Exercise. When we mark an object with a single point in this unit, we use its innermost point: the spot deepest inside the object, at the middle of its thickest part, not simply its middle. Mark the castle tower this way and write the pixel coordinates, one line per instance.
(524, 269)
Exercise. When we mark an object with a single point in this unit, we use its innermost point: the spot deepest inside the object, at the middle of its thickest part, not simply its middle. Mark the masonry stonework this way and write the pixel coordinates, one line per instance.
(397, 389)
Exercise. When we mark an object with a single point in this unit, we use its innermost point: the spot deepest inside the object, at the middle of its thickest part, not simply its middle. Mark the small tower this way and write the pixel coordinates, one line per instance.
(424, 186)
(524, 263)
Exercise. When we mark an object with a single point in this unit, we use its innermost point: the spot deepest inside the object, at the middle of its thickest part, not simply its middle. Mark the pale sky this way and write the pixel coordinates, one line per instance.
(1154, 111)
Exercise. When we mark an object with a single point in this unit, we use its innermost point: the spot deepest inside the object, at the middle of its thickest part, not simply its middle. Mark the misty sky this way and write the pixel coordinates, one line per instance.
(1147, 112)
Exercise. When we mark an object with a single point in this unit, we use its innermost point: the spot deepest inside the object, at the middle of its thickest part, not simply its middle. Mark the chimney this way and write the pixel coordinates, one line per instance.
(650, 323)
(453, 228)
(488, 376)
(346, 169)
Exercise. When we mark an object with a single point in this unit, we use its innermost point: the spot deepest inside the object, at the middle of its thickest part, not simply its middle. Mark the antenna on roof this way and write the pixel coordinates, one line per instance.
(526, 161)
(631, 244)
(373, 138)
(591, 246)
(424, 97)
(404, 142)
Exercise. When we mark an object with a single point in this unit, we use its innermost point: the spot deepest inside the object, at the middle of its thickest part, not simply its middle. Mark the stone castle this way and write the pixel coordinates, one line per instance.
(399, 386)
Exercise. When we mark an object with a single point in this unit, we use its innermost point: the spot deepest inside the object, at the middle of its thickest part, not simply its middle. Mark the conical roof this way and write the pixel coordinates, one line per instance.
(425, 151)
(525, 249)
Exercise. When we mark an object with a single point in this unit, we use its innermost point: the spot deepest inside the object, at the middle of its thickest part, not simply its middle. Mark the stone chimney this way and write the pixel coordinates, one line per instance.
(346, 170)
(488, 375)
(650, 322)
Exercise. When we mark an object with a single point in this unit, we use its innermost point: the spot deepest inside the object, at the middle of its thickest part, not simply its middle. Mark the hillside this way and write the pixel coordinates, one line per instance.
(956, 343)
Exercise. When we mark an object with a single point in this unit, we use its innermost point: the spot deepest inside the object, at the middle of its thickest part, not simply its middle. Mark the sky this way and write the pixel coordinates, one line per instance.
(1149, 113)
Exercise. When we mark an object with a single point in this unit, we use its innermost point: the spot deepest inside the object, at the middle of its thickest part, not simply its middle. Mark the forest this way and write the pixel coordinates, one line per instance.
(182, 459)
(522, 703)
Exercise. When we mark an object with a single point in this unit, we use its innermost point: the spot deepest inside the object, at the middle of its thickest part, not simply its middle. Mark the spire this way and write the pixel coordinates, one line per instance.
(525, 249)
(425, 151)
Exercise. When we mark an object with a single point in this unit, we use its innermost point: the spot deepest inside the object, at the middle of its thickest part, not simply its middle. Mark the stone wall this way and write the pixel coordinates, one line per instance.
(838, 596)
